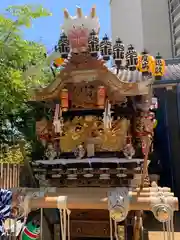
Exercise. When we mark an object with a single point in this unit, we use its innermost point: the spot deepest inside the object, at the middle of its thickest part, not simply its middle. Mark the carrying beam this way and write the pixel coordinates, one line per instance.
(94, 202)
(95, 198)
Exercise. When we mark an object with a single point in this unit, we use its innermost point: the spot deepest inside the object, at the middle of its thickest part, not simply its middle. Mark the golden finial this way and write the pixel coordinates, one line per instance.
(66, 14)
(79, 12)
(93, 12)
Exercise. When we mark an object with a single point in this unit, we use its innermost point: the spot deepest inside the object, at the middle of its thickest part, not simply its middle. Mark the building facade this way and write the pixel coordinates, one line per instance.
(174, 16)
(145, 24)
(167, 140)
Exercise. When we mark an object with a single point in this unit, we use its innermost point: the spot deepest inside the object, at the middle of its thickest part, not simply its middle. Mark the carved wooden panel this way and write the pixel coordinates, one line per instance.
(79, 130)
(89, 229)
(83, 95)
(85, 229)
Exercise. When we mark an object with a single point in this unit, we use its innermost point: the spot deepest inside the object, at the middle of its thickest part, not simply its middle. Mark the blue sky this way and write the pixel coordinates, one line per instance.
(47, 29)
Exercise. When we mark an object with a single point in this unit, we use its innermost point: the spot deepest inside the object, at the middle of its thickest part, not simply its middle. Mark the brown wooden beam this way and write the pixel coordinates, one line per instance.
(94, 202)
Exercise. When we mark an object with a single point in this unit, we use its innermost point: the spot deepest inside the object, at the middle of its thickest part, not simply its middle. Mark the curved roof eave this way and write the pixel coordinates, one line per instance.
(127, 82)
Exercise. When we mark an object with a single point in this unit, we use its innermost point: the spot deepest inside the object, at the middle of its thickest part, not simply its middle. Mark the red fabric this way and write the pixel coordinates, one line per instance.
(30, 234)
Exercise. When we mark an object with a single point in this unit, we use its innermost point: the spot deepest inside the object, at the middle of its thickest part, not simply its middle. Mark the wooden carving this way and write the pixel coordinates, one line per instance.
(91, 129)
(83, 95)
(112, 139)
(75, 133)
(43, 126)
(143, 126)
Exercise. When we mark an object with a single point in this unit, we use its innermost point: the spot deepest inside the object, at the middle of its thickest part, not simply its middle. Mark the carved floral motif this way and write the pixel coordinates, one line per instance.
(83, 96)
(80, 130)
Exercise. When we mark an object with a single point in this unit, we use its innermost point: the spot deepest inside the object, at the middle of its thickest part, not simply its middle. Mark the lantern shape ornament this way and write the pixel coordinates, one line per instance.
(106, 48)
(145, 63)
(131, 58)
(63, 46)
(93, 44)
(158, 69)
(64, 100)
(118, 52)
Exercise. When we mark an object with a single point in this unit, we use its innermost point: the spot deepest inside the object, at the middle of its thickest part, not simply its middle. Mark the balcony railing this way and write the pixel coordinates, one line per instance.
(177, 17)
(177, 29)
(177, 41)
(175, 9)
(178, 52)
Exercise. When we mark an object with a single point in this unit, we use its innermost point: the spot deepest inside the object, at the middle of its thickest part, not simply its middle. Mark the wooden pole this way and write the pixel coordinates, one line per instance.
(93, 202)
(84, 191)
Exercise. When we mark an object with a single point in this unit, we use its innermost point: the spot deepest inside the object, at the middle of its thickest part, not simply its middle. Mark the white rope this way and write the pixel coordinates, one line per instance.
(15, 227)
(115, 230)
(111, 228)
(163, 210)
(64, 216)
(68, 213)
(64, 222)
(168, 230)
(164, 231)
(26, 205)
(61, 223)
(172, 228)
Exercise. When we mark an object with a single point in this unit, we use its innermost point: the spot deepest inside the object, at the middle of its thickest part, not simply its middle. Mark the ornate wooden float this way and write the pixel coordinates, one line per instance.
(96, 132)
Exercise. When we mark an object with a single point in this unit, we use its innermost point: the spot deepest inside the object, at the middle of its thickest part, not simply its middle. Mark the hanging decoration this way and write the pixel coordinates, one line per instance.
(30, 231)
(64, 100)
(154, 103)
(163, 211)
(101, 96)
(118, 52)
(63, 45)
(118, 204)
(143, 145)
(131, 58)
(107, 118)
(158, 68)
(80, 151)
(129, 150)
(50, 152)
(42, 131)
(93, 44)
(145, 63)
(58, 62)
(106, 48)
(58, 120)
(148, 122)
(44, 139)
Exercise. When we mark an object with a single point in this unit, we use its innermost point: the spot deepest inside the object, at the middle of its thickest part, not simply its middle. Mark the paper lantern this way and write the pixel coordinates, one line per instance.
(145, 62)
(58, 62)
(93, 44)
(118, 52)
(101, 96)
(105, 48)
(63, 46)
(64, 100)
(131, 58)
(158, 69)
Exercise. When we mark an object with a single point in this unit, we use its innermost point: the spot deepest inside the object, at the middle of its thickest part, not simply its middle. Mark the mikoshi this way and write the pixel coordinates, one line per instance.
(95, 126)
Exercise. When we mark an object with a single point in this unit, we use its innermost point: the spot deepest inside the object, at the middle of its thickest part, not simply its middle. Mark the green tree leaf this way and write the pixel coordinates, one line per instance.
(16, 55)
